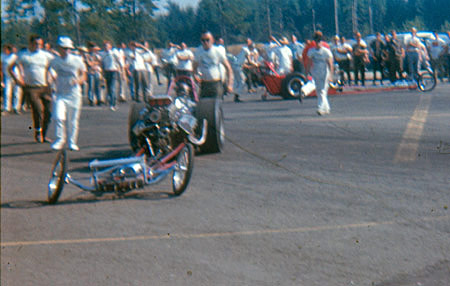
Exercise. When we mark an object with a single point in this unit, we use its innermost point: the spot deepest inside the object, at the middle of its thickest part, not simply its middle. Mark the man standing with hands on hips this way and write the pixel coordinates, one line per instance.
(71, 74)
(207, 68)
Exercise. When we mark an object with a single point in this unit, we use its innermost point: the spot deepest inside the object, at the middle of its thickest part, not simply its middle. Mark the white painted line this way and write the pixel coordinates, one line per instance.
(213, 234)
(407, 150)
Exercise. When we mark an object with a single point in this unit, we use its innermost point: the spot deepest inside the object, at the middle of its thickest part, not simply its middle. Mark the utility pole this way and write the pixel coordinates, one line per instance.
(269, 21)
(336, 17)
(314, 19)
(355, 16)
(223, 31)
(77, 21)
(370, 17)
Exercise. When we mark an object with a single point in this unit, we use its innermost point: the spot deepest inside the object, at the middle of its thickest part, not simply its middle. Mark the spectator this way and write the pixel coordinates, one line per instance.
(437, 56)
(237, 63)
(321, 68)
(297, 50)
(184, 59)
(396, 53)
(360, 58)
(122, 79)
(413, 47)
(250, 55)
(111, 66)
(376, 51)
(169, 61)
(148, 59)
(12, 95)
(94, 71)
(284, 57)
(71, 74)
(135, 64)
(33, 78)
(342, 53)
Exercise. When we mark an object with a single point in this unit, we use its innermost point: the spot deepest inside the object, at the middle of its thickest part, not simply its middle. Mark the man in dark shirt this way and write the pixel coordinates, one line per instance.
(395, 57)
(376, 50)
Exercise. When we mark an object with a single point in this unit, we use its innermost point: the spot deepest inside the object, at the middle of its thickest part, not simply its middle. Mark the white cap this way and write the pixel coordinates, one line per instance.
(65, 42)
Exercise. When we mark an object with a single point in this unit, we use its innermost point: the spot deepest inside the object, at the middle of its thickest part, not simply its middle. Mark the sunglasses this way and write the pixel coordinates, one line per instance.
(205, 40)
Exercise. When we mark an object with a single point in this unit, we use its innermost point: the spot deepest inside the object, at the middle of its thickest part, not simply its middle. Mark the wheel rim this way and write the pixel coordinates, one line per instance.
(55, 179)
(221, 129)
(181, 168)
(426, 82)
(295, 87)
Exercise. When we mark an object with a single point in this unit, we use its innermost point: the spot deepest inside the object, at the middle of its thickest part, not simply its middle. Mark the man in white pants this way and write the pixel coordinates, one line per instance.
(321, 60)
(12, 94)
(71, 74)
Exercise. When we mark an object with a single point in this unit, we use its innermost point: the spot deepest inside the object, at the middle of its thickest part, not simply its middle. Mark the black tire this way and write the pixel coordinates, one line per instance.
(291, 86)
(211, 110)
(427, 82)
(133, 117)
(57, 177)
(183, 170)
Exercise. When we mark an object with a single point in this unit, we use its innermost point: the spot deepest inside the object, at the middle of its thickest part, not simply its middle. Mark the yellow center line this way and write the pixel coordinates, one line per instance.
(211, 235)
(407, 150)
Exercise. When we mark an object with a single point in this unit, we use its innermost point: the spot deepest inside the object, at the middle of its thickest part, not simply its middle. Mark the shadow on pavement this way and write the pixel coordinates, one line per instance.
(94, 197)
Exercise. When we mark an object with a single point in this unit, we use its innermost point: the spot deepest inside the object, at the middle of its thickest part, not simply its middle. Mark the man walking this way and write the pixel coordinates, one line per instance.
(33, 78)
(70, 75)
(321, 67)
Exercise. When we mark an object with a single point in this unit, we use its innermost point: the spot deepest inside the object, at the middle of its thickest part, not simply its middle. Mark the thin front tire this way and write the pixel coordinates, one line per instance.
(57, 177)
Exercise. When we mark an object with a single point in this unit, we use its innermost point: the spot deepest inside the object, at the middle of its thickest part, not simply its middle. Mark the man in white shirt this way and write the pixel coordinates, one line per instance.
(121, 52)
(207, 68)
(33, 78)
(413, 46)
(284, 57)
(136, 67)
(111, 67)
(169, 62)
(184, 58)
(70, 75)
(12, 95)
(321, 67)
(437, 55)
(297, 50)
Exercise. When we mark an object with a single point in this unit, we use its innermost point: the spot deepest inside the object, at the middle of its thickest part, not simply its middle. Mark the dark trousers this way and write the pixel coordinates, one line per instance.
(377, 66)
(359, 69)
(211, 89)
(344, 66)
(40, 100)
(395, 65)
(250, 77)
(111, 78)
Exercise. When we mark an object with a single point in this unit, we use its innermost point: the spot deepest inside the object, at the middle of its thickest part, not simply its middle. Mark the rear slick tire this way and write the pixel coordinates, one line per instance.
(211, 110)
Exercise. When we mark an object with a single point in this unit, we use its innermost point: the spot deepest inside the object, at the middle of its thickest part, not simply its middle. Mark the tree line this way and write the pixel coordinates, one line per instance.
(234, 20)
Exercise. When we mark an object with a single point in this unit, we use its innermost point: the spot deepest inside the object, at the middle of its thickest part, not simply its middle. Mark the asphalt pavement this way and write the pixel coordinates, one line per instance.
(357, 197)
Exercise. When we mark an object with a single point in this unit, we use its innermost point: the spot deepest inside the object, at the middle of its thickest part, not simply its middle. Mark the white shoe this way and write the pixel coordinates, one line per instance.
(58, 145)
(74, 147)
(323, 112)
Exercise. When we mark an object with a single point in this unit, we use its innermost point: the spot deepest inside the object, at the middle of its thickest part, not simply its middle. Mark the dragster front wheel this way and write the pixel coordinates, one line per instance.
(57, 176)
(183, 169)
